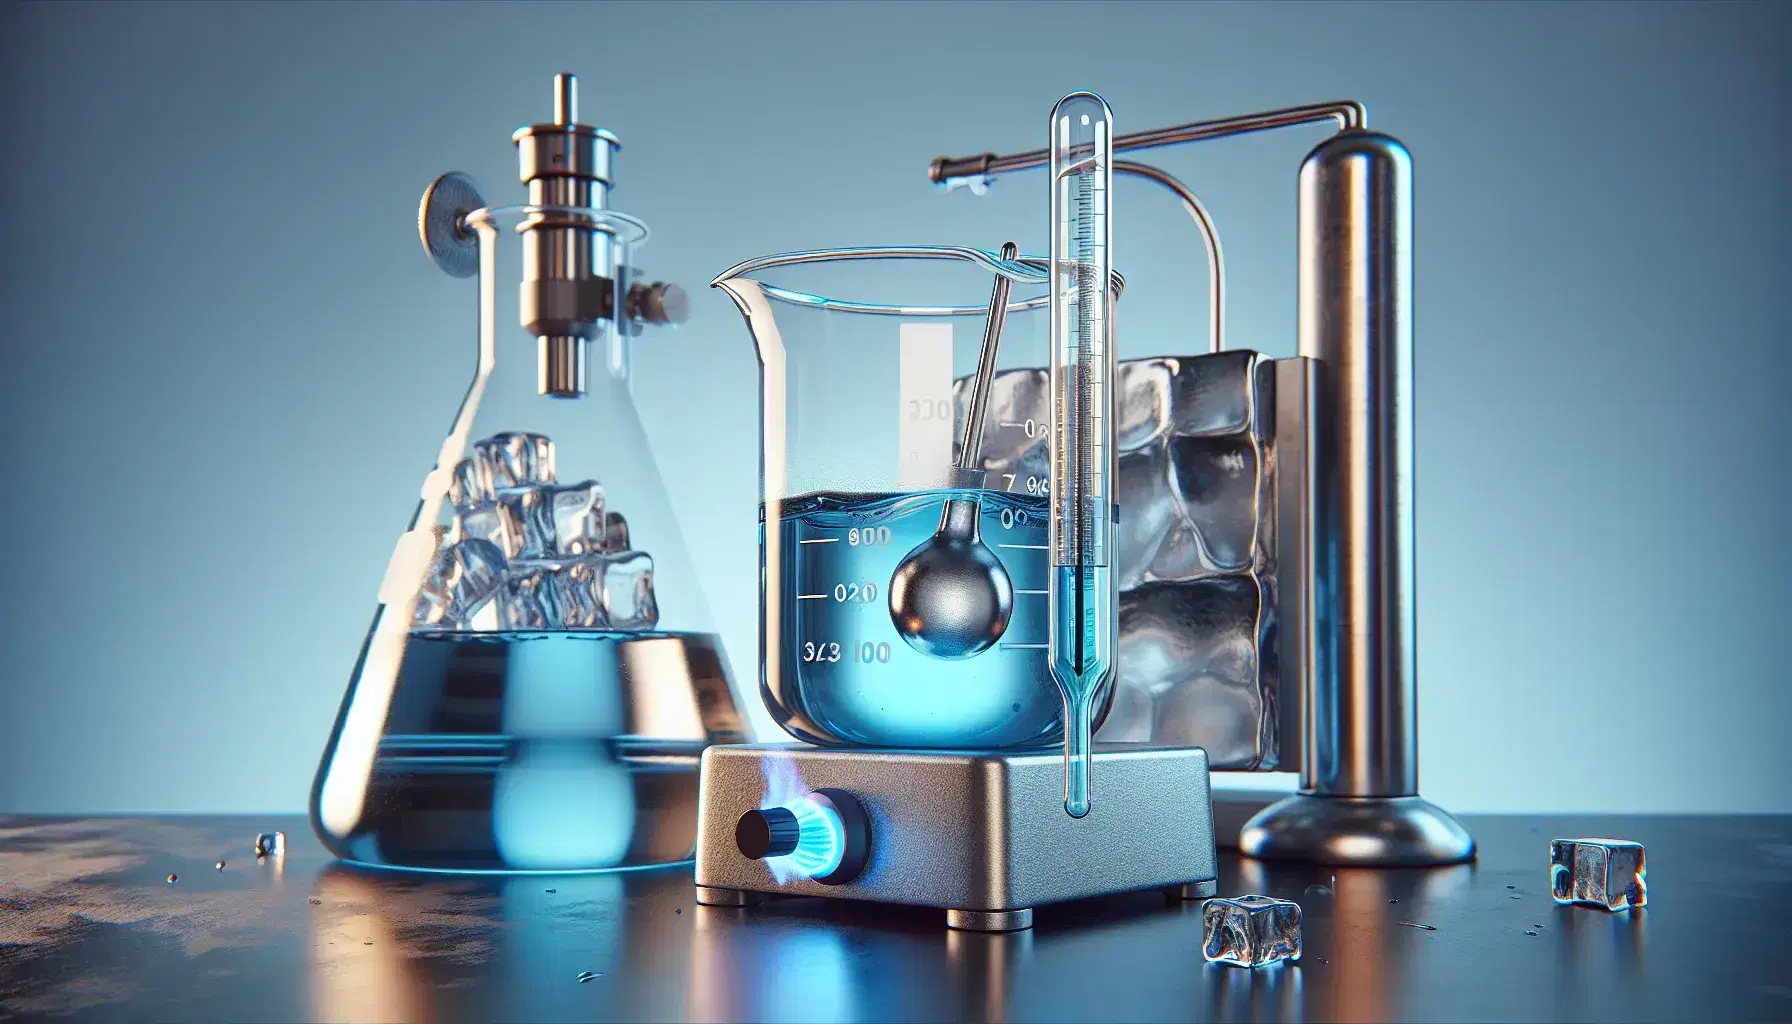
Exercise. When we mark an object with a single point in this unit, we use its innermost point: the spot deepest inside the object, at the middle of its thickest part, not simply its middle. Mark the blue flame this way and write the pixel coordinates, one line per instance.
(820, 842)
(821, 835)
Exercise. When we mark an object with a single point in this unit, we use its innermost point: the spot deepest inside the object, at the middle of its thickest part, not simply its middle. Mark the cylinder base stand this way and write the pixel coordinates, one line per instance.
(1403, 831)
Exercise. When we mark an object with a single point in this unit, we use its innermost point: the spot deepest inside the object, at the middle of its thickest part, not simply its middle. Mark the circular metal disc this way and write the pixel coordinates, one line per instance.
(450, 246)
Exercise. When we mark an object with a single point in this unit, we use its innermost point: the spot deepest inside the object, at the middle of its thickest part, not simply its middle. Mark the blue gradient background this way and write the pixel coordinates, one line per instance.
(226, 363)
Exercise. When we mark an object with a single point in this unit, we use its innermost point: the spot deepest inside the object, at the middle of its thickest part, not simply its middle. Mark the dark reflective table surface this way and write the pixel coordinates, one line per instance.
(91, 928)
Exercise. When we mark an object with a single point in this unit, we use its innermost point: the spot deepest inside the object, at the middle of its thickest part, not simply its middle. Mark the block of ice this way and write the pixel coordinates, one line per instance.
(1189, 668)
(1214, 394)
(499, 463)
(526, 599)
(1143, 404)
(520, 522)
(1196, 543)
(590, 591)
(1217, 482)
(579, 519)
(1606, 873)
(465, 575)
(1250, 931)
(628, 591)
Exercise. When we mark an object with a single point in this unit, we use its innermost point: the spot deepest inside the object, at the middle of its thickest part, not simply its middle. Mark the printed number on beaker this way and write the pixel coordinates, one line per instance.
(1032, 484)
(821, 652)
(1012, 517)
(1031, 428)
(870, 653)
(867, 536)
(858, 593)
(930, 409)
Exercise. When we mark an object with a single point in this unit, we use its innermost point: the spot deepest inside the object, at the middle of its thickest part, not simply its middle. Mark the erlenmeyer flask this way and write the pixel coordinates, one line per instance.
(540, 676)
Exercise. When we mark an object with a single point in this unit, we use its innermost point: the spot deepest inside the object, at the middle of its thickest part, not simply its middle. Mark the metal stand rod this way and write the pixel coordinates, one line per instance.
(1359, 766)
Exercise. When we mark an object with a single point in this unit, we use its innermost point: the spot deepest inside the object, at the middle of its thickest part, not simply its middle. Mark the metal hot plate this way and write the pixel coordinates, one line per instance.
(982, 835)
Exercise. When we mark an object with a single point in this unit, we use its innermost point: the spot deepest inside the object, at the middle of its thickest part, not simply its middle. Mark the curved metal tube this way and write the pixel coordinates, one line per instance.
(1347, 114)
(1216, 266)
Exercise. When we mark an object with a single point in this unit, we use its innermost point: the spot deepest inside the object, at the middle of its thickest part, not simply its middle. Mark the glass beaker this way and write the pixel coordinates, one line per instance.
(540, 676)
(863, 400)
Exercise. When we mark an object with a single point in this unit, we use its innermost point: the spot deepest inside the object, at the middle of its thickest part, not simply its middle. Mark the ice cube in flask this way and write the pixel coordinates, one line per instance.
(540, 676)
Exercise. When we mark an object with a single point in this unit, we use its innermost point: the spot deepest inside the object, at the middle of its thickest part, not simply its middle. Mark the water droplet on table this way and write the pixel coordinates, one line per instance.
(1420, 927)
(552, 890)
(1393, 901)
(220, 865)
(172, 878)
(1527, 931)
(585, 976)
(1511, 886)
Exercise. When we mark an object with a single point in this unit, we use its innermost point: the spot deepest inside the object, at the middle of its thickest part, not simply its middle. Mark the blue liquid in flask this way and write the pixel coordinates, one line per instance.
(843, 675)
(513, 751)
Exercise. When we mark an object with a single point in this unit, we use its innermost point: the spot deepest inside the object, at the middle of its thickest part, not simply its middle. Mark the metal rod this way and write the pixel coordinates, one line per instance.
(1355, 319)
(1216, 265)
(970, 451)
(1359, 801)
(1347, 114)
(566, 98)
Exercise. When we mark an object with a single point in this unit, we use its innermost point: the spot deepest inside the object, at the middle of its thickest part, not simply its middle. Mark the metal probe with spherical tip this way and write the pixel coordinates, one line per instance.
(951, 598)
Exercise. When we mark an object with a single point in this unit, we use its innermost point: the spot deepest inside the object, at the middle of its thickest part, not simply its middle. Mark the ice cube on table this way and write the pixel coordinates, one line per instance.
(1607, 873)
(465, 576)
(579, 520)
(270, 844)
(499, 463)
(1250, 931)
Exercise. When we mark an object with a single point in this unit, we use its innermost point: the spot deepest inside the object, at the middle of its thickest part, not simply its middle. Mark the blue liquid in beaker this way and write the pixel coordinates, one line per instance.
(843, 667)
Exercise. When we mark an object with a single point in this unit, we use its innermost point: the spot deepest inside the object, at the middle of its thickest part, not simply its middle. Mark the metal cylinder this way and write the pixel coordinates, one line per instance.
(1355, 320)
(568, 265)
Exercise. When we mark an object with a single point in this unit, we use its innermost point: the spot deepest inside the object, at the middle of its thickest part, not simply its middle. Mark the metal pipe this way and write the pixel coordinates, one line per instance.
(1216, 265)
(1355, 320)
(1359, 801)
(566, 98)
(970, 449)
(1347, 114)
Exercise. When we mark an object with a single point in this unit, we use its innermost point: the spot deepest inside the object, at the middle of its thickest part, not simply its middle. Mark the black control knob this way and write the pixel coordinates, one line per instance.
(767, 832)
(838, 841)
